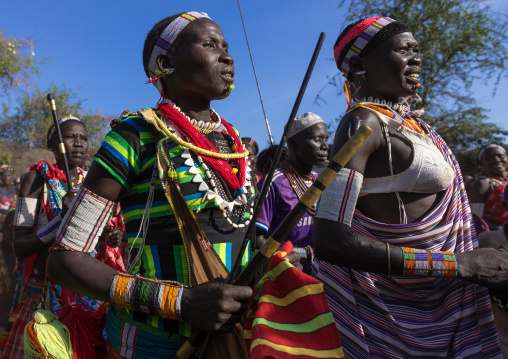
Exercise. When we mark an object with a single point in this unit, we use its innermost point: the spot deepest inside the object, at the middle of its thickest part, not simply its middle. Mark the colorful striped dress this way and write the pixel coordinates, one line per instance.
(381, 316)
(128, 154)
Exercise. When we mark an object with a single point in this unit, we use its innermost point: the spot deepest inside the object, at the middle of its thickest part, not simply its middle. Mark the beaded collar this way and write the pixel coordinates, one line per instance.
(201, 126)
(375, 101)
(241, 206)
(401, 114)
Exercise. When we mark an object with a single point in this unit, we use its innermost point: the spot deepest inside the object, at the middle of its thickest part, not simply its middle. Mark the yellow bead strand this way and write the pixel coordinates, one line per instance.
(197, 149)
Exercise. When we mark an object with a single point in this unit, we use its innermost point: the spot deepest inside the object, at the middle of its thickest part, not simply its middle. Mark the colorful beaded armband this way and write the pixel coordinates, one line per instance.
(424, 263)
(146, 296)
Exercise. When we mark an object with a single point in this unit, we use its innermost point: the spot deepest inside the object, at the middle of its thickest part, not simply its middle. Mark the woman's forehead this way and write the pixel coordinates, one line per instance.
(495, 151)
(73, 126)
(203, 27)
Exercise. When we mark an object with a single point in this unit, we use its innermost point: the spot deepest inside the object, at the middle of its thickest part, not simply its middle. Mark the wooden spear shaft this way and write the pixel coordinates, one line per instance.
(61, 147)
(307, 201)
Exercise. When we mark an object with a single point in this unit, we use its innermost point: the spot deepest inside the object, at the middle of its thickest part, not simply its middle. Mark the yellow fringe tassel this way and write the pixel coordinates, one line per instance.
(47, 338)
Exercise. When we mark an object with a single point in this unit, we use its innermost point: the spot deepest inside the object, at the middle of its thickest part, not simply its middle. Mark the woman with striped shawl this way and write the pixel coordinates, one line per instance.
(394, 241)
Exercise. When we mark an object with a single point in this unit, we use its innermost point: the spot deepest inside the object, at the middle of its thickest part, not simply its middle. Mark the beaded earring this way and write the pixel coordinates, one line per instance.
(166, 71)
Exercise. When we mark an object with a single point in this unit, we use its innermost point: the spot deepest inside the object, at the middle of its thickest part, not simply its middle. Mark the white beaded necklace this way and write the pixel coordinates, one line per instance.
(200, 125)
(397, 107)
(213, 193)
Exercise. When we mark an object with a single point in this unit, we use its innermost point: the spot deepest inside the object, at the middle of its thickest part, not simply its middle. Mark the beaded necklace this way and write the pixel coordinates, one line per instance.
(496, 181)
(203, 147)
(227, 208)
(408, 122)
(242, 203)
(299, 183)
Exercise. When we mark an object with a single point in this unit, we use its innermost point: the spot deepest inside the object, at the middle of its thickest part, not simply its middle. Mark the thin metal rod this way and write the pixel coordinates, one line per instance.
(255, 75)
(276, 159)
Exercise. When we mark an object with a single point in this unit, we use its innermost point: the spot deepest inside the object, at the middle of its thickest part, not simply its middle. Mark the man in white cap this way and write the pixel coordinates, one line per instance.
(307, 144)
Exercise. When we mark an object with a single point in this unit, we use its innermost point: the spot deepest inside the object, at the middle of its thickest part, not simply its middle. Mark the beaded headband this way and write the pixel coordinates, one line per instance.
(485, 148)
(365, 31)
(165, 41)
(5, 168)
(51, 128)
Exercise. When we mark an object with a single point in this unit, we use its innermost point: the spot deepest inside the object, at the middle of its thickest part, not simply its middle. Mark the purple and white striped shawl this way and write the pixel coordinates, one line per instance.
(408, 317)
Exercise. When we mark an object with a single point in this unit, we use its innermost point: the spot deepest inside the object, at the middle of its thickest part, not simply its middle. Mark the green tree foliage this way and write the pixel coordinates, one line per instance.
(29, 121)
(5, 158)
(17, 63)
(462, 44)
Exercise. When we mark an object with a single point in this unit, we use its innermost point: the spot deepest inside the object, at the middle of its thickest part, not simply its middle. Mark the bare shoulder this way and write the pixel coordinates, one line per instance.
(480, 189)
(32, 185)
(348, 126)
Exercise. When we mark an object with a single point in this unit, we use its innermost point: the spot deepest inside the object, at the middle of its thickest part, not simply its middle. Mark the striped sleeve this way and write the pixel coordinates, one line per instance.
(121, 152)
(269, 206)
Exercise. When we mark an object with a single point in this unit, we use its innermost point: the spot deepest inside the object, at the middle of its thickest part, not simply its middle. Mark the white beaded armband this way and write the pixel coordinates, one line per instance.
(338, 200)
(26, 212)
(47, 233)
(84, 221)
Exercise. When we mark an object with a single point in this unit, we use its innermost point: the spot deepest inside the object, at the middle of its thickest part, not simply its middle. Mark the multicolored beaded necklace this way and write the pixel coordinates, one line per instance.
(299, 183)
(496, 181)
(408, 122)
(228, 208)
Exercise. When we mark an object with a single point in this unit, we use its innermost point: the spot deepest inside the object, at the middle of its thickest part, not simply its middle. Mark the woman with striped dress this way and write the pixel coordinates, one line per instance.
(394, 241)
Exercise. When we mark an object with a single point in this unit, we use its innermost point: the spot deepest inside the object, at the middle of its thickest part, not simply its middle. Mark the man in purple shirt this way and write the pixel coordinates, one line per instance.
(307, 145)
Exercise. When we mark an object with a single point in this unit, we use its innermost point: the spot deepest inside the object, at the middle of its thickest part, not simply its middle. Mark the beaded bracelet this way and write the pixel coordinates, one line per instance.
(424, 263)
(147, 296)
(306, 253)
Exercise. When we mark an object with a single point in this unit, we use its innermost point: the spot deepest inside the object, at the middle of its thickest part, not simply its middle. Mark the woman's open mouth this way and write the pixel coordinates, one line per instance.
(413, 78)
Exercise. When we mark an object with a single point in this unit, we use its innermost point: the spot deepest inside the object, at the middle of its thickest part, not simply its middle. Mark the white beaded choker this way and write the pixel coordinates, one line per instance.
(395, 106)
(200, 125)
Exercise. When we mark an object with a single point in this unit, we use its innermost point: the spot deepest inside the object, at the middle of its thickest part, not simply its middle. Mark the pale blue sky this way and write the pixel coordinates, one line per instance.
(95, 47)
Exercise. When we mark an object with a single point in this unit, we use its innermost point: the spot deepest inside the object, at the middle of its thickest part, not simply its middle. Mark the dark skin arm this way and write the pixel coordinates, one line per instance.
(337, 243)
(211, 306)
(260, 238)
(25, 241)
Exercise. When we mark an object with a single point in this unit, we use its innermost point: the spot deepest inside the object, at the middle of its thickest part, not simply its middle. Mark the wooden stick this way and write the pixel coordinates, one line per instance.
(264, 191)
(61, 147)
(307, 201)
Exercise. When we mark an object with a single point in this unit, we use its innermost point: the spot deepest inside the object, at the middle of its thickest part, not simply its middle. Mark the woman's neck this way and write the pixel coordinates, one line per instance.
(196, 109)
(7, 187)
(73, 170)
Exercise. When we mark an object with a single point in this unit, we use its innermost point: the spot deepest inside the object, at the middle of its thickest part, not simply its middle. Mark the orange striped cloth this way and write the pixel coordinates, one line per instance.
(289, 316)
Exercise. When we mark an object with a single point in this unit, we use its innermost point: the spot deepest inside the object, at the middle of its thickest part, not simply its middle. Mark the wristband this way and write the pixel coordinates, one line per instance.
(147, 296)
(306, 253)
(84, 221)
(47, 233)
(424, 263)
(25, 214)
